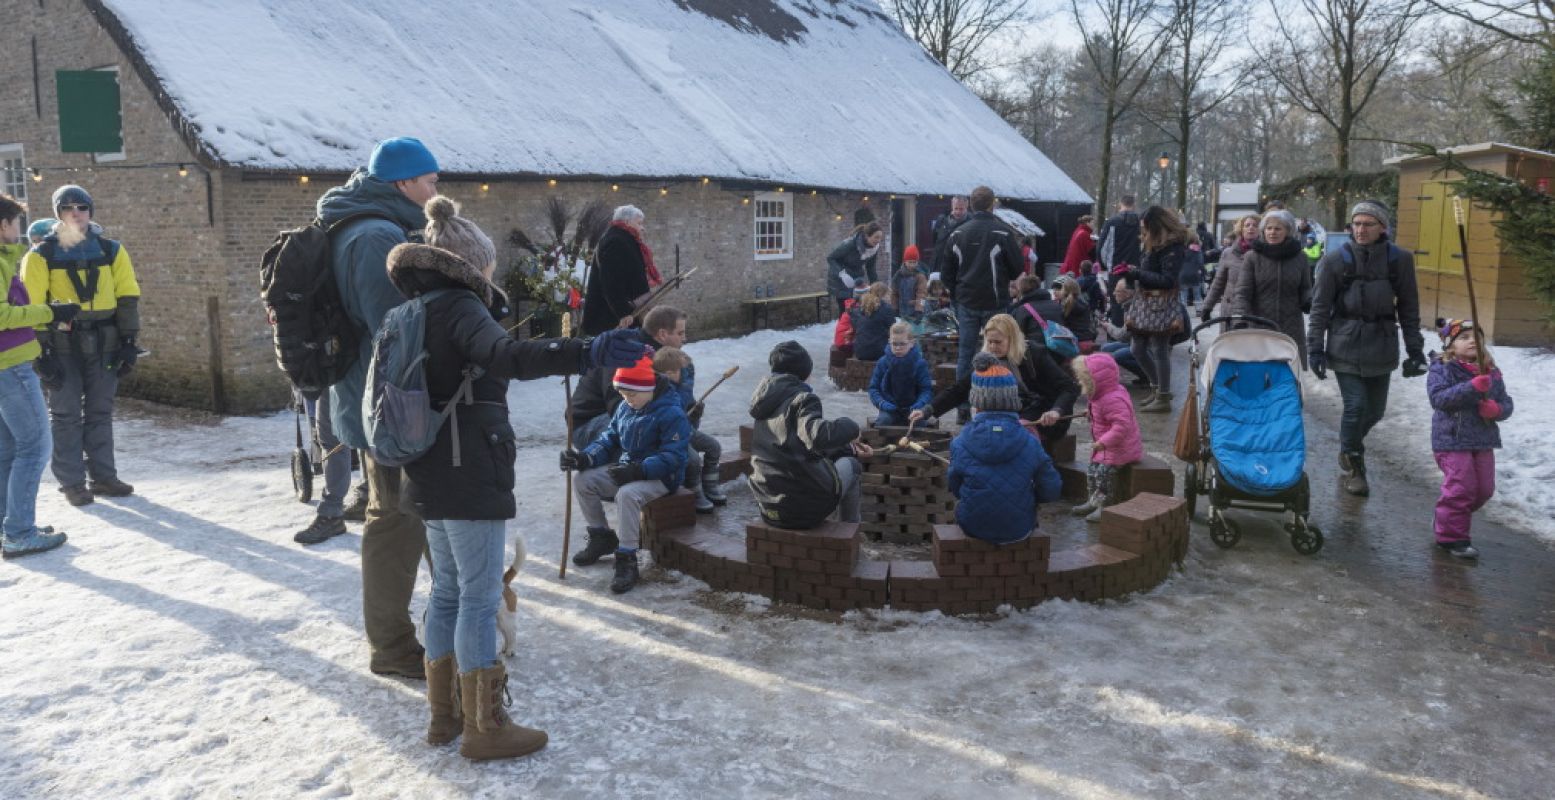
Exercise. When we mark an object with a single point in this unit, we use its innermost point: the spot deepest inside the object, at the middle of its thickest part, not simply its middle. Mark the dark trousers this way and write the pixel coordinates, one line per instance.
(1365, 401)
(81, 418)
(969, 327)
(393, 544)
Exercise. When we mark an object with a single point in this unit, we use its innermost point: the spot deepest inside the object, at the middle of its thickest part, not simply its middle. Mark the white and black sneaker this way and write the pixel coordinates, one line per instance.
(1459, 549)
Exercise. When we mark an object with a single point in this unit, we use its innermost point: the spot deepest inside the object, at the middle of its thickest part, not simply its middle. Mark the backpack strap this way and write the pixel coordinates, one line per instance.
(1034, 315)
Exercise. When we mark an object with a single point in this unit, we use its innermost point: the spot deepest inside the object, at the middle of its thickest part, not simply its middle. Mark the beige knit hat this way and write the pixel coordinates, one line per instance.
(449, 231)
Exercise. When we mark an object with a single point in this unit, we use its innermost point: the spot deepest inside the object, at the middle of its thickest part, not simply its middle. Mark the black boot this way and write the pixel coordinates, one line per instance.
(626, 572)
(602, 542)
(321, 529)
(112, 487)
(1355, 483)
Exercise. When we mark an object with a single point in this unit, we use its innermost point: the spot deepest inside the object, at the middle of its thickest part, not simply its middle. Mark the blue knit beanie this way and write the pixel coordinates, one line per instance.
(400, 159)
(41, 228)
(74, 195)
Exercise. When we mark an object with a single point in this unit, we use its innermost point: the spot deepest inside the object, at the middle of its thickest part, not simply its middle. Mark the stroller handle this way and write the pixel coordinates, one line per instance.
(1234, 318)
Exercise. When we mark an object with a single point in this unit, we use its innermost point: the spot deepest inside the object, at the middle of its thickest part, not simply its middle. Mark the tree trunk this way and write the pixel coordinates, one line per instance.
(1342, 161)
(1108, 121)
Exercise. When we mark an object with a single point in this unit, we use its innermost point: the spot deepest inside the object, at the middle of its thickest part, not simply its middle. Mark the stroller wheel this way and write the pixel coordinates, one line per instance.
(1190, 487)
(302, 475)
(1223, 532)
(1305, 538)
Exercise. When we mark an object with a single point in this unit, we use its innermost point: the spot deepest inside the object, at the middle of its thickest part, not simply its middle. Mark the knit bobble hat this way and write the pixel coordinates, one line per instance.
(993, 385)
(41, 227)
(73, 195)
(911, 253)
(1374, 210)
(639, 377)
(790, 358)
(449, 231)
(400, 159)
(1450, 329)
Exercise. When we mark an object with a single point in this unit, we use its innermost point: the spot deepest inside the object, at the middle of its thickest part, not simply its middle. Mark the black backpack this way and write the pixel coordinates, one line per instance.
(316, 342)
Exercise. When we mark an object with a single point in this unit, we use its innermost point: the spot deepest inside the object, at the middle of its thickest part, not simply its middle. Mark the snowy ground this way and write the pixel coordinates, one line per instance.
(181, 646)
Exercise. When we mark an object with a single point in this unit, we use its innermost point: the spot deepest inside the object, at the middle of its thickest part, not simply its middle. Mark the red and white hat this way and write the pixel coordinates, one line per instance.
(638, 377)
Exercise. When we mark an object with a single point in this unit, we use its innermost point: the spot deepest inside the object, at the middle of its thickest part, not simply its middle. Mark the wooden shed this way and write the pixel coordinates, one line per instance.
(1511, 315)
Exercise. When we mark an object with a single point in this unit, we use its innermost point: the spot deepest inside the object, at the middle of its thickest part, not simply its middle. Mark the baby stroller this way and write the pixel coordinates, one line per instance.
(1252, 445)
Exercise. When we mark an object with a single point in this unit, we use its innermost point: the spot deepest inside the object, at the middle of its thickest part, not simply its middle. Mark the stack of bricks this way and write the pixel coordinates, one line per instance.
(838, 357)
(1150, 474)
(944, 376)
(940, 349)
(670, 532)
(853, 376)
(817, 568)
(737, 464)
(971, 576)
(904, 494)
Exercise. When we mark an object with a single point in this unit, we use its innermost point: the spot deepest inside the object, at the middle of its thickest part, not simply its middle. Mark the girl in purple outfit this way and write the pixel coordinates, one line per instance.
(1464, 434)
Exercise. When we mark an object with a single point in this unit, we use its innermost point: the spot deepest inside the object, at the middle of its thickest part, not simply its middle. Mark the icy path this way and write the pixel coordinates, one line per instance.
(181, 646)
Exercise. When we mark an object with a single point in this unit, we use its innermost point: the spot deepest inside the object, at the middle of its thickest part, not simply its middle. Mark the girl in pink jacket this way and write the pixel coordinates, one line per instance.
(1114, 431)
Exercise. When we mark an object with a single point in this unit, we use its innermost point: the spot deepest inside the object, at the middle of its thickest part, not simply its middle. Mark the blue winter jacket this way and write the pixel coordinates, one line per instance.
(1457, 425)
(872, 332)
(999, 473)
(360, 254)
(901, 384)
(655, 437)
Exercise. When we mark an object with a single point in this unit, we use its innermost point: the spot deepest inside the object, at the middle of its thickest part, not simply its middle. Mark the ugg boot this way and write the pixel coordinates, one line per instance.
(443, 697)
(1160, 404)
(489, 732)
(626, 571)
(1091, 504)
(602, 542)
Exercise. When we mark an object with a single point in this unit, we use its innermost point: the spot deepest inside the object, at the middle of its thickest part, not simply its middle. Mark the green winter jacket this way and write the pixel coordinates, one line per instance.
(17, 312)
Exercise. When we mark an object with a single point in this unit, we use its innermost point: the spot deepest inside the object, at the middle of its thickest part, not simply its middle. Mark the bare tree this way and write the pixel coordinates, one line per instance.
(1525, 21)
(1122, 43)
(957, 32)
(1331, 63)
(1201, 31)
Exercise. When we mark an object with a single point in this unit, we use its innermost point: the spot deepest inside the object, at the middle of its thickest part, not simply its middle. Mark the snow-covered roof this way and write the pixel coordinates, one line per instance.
(1019, 222)
(826, 93)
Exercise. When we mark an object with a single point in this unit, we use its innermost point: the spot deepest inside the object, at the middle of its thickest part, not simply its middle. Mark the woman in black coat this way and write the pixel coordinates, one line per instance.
(852, 263)
(466, 501)
(1166, 249)
(621, 276)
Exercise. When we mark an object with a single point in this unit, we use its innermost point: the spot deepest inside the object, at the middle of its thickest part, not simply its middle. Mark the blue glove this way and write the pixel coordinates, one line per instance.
(1318, 361)
(616, 348)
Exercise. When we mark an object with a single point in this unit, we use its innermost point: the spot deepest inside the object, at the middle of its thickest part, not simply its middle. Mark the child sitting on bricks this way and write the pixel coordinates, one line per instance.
(640, 456)
(901, 382)
(706, 452)
(998, 472)
(1114, 430)
(803, 465)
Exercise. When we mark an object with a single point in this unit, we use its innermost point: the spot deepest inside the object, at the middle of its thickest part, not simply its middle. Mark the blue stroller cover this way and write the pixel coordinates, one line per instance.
(1255, 426)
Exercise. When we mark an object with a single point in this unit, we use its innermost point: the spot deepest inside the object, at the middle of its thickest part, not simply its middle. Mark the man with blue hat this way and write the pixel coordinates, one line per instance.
(84, 359)
(377, 208)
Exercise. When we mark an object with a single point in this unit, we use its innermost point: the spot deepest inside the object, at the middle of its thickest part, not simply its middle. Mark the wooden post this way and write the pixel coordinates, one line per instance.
(213, 326)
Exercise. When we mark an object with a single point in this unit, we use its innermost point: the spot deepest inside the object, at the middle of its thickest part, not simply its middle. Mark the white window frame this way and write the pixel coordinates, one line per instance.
(7, 153)
(766, 201)
(103, 158)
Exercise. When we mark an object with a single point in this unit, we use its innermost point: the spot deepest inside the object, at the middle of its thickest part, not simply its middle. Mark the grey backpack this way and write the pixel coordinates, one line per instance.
(396, 406)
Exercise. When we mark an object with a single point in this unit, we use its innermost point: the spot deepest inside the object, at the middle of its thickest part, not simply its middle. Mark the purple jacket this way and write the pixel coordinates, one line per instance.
(1457, 425)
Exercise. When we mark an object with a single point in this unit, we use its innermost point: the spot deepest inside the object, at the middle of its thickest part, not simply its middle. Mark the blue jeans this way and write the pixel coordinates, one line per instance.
(969, 326)
(466, 587)
(1365, 401)
(337, 468)
(896, 418)
(1190, 293)
(1124, 355)
(25, 444)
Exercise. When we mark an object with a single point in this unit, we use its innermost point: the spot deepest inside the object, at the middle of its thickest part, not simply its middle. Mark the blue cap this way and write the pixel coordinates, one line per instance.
(400, 159)
(41, 228)
(73, 194)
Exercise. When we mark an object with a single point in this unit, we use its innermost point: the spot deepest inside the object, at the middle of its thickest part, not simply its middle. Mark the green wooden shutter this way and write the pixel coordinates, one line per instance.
(89, 120)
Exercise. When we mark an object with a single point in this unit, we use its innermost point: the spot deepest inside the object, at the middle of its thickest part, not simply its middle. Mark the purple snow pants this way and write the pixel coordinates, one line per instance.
(1468, 481)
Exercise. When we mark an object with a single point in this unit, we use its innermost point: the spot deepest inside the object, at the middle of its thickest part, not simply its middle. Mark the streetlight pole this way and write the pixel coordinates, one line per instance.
(1164, 161)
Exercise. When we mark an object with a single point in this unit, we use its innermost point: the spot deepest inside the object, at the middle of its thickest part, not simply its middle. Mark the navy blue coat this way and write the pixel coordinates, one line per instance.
(656, 437)
(999, 473)
(901, 384)
(872, 332)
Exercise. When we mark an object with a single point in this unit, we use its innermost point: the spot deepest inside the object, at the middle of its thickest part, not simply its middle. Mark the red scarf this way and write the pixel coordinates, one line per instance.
(654, 278)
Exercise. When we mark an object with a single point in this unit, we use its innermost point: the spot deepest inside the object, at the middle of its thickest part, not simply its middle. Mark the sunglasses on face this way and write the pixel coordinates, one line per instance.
(75, 207)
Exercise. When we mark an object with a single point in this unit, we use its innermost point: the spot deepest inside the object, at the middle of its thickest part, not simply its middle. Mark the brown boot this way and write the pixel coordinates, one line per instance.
(488, 731)
(443, 697)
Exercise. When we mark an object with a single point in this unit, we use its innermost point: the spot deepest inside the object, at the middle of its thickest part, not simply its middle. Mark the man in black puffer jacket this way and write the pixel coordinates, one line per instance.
(983, 256)
(803, 465)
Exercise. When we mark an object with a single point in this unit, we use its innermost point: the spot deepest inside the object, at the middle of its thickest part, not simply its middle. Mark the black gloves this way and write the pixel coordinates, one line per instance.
(623, 474)
(615, 348)
(1415, 366)
(124, 360)
(695, 415)
(1318, 361)
(572, 461)
(64, 312)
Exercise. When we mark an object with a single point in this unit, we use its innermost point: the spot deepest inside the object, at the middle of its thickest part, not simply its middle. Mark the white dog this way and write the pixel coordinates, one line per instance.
(507, 613)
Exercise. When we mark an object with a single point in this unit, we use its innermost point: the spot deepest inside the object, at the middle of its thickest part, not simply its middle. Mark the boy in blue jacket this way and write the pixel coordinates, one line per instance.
(639, 457)
(706, 452)
(901, 382)
(998, 471)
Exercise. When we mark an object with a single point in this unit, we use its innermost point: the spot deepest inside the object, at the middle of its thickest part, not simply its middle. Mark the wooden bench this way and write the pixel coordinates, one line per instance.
(761, 307)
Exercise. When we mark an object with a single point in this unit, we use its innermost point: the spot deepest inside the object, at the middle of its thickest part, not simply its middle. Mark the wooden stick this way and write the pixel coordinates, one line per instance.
(657, 294)
(924, 450)
(1031, 423)
(1463, 244)
(567, 413)
(728, 373)
(907, 437)
(523, 322)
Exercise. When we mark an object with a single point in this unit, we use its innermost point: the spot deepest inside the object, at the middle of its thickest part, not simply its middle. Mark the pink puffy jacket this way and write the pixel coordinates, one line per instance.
(1112, 415)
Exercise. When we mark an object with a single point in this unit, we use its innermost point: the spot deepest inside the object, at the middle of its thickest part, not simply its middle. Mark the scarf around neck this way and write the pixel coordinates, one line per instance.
(1286, 249)
(654, 279)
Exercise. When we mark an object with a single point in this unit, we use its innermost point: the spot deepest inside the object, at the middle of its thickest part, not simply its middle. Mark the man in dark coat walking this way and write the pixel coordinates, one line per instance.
(982, 257)
(1120, 236)
(622, 275)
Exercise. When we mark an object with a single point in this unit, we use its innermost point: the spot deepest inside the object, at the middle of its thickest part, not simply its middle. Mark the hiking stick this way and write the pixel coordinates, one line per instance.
(1463, 244)
(567, 413)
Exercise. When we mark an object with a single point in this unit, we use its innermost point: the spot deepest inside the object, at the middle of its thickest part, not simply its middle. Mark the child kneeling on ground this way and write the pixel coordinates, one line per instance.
(803, 466)
(706, 452)
(998, 472)
(640, 456)
(1114, 430)
(1464, 435)
(901, 382)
